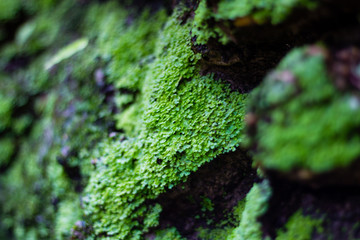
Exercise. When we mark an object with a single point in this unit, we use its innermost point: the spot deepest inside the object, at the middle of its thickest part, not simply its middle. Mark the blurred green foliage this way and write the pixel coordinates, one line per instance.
(303, 106)
(300, 227)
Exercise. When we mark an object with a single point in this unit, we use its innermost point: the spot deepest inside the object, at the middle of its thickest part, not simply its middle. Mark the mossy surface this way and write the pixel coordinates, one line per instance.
(256, 205)
(298, 109)
(261, 10)
(179, 133)
(225, 228)
(106, 110)
(170, 233)
(299, 227)
(244, 223)
(46, 113)
(241, 13)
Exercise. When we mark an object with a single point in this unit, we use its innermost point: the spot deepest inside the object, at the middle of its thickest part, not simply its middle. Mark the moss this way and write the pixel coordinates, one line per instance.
(256, 205)
(8, 9)
(300, 103)
(170, 233)
(299, 227)
(6, 150)
(180, 131)
(201, 29)
(261, 10)
(68, 214)
(205, 25)
(207, 205)
(224, 228)
(127, 44)
(49, 118)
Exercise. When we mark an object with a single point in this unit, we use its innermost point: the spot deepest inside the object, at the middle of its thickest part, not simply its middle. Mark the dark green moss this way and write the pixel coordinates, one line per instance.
(241, 13)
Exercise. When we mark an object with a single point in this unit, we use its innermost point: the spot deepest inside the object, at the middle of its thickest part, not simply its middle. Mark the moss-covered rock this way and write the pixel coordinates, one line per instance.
(179, 132)
(294, 118)
(111, 114)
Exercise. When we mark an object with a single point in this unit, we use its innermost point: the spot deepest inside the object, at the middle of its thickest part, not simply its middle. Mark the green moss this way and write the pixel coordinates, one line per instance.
(180, 131)
(201, 29)
(6, 104)
(207, 205)
(50, 120)
(302, 103)
(6, 150)
(68, 214)
(256, 205)
(170, 233)
(8, 9)
(127, 44)
(299, 227)
(224, 228)
(261, 10)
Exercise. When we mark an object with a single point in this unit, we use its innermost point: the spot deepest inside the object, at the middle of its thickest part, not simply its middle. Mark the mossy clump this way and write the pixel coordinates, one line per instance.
(209, 23)
(224, 228)
(201, 29)
(187, 120)
(300, 227)
(261, 10)
(249, 227)
(294, 118)
(169, 233)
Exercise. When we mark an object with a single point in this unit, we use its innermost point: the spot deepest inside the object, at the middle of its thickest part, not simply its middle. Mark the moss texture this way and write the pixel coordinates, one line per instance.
(179, 132)
(107, 108)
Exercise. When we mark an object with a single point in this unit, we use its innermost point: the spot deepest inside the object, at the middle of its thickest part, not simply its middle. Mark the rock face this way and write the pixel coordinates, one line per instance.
(211, 119)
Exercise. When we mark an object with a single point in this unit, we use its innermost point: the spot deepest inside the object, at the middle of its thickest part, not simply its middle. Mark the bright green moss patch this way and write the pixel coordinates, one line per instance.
(299, 227)
(256, 205)
(303, 105)
(187, 121)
